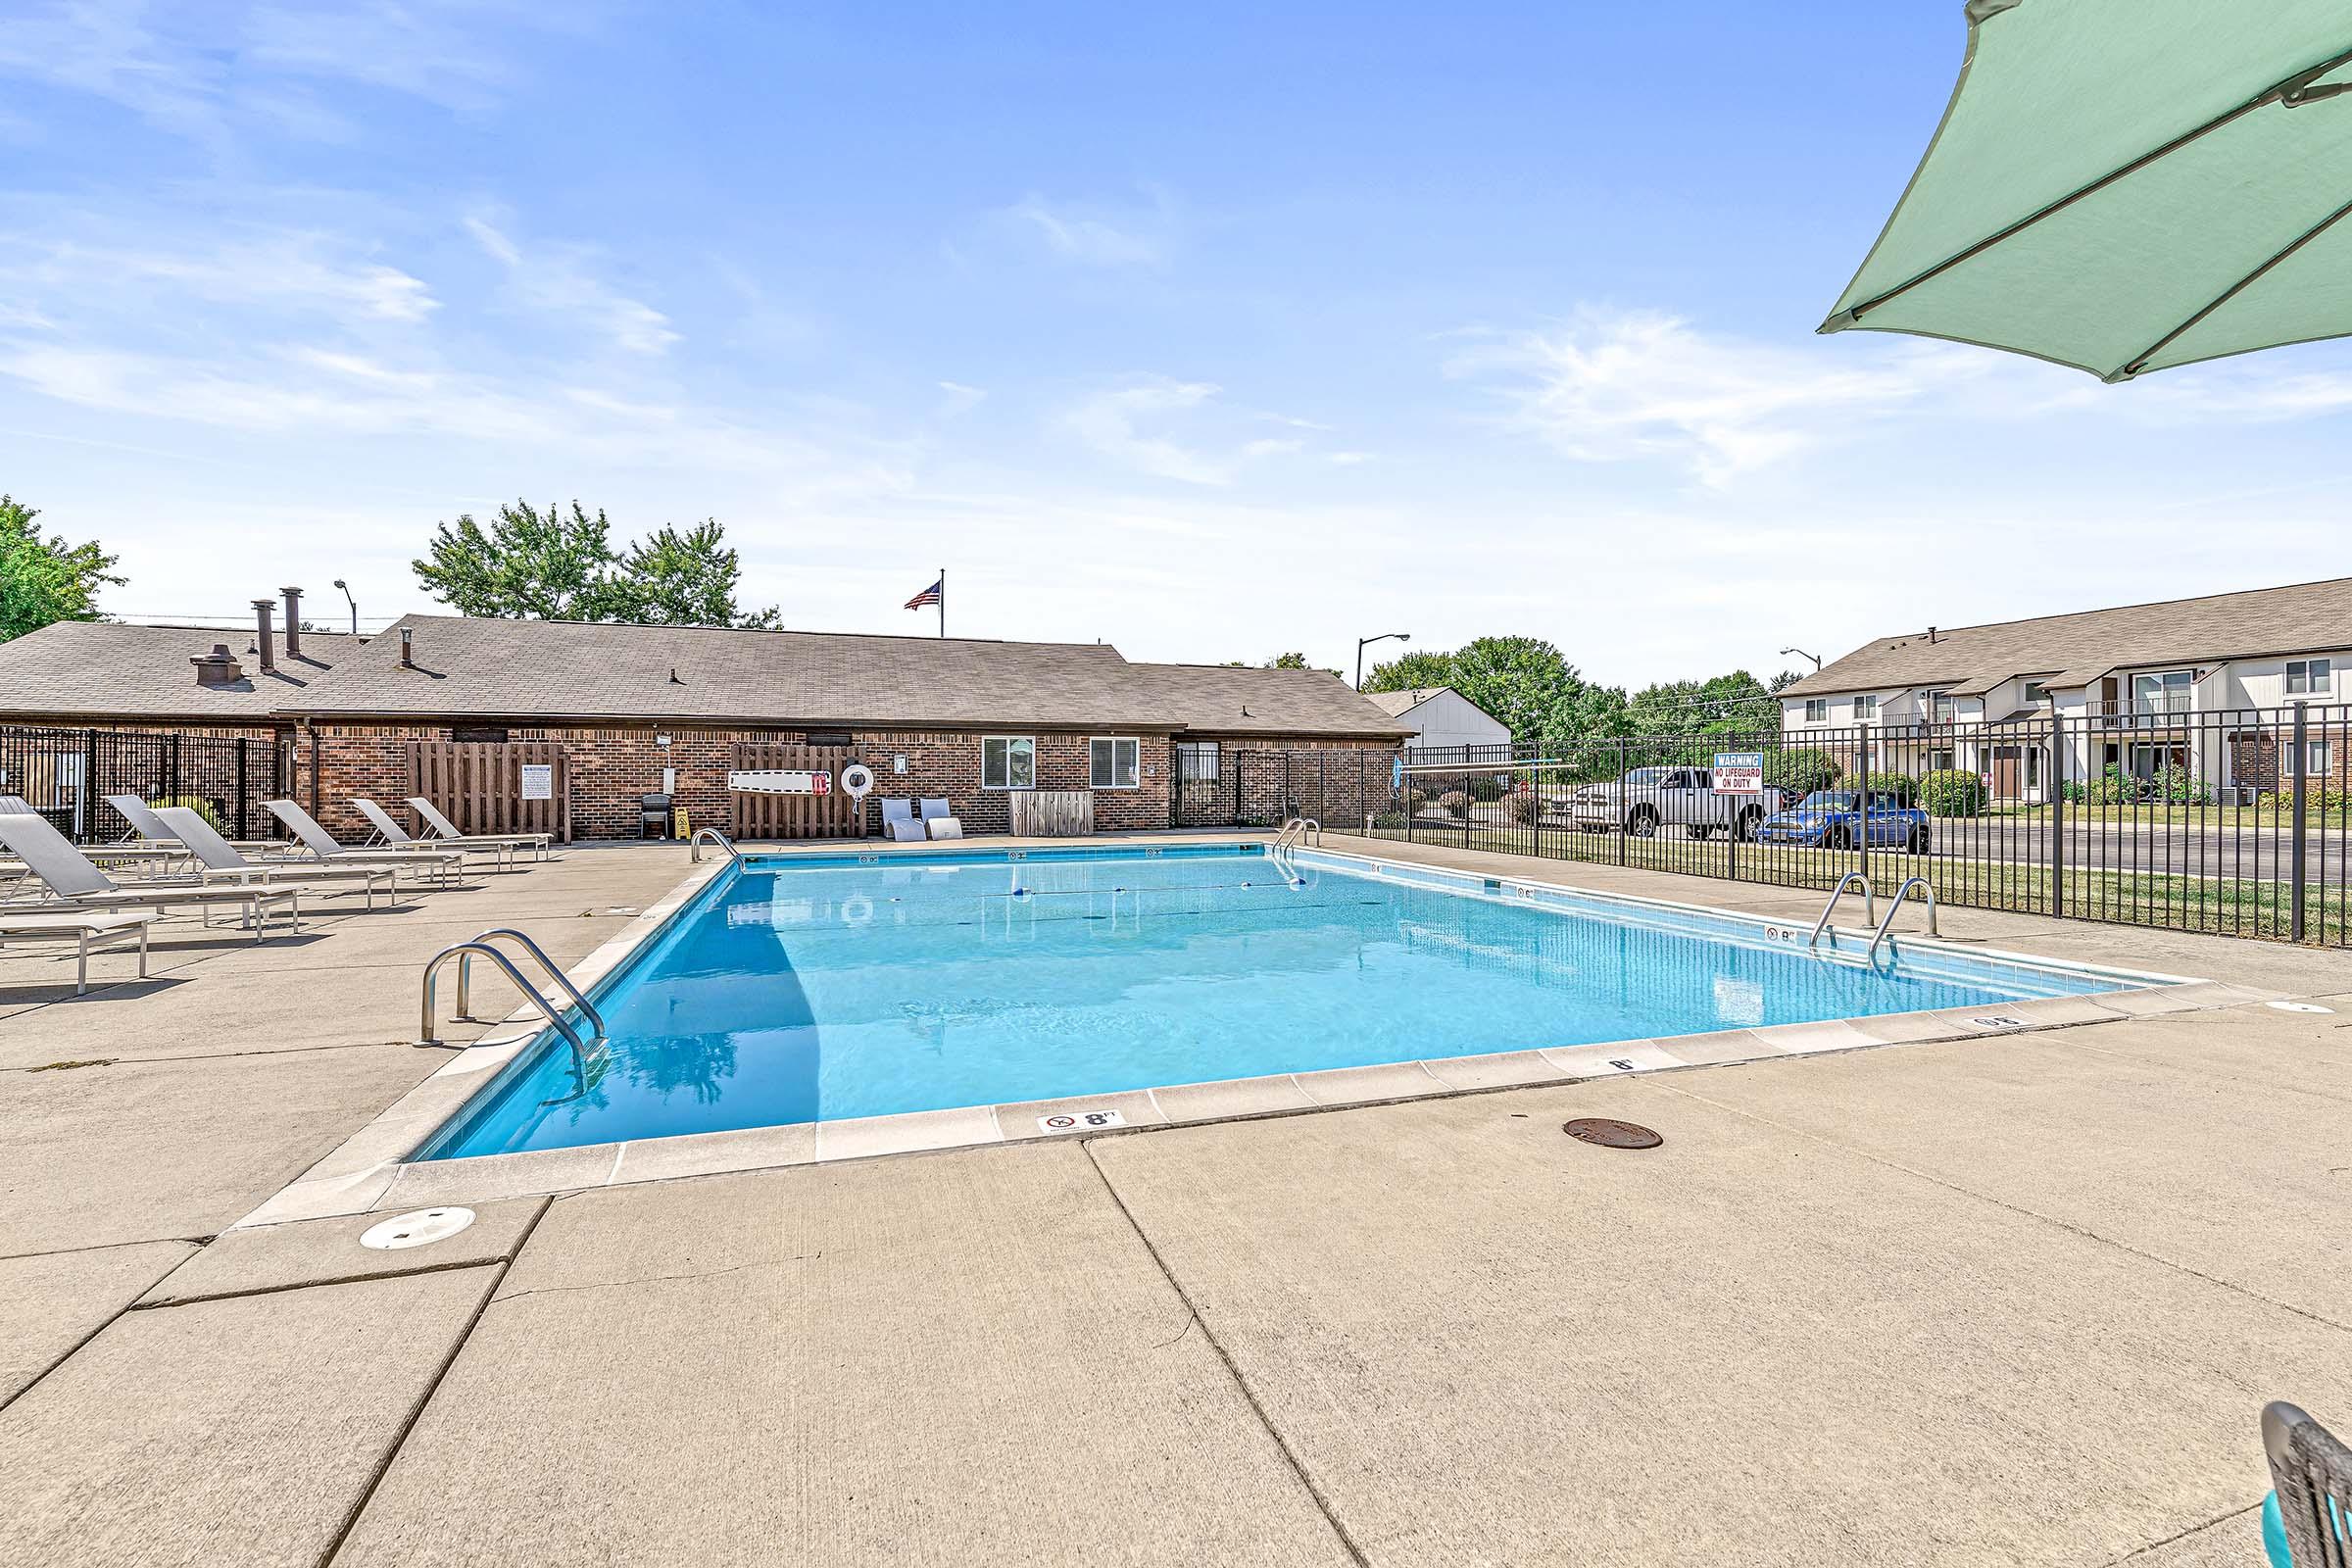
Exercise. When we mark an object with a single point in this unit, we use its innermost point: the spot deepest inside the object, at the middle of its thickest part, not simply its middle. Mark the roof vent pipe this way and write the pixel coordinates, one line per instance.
(262, 639)
(293, 621)
(406, 661)
(1930, 635)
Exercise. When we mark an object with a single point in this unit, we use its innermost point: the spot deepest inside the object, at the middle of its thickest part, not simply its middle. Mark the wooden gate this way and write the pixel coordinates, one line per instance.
(480, 786)
(756, 814)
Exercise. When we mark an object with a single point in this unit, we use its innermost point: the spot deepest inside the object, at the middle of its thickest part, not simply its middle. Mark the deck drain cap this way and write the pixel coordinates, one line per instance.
(421, 1228)
(1609, 1133)
(2298, 1006)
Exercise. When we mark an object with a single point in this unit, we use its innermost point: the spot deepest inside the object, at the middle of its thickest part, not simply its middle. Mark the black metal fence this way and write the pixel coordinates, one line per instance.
(67, 774)
(2230, 821)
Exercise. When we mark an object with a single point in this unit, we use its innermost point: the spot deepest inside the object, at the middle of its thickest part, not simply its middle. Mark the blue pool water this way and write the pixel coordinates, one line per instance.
(795, 992)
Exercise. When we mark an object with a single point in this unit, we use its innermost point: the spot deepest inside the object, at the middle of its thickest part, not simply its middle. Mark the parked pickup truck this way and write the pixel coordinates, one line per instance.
(1649, 798)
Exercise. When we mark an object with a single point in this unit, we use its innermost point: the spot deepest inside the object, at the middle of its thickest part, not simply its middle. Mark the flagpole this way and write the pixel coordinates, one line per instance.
(943, 601)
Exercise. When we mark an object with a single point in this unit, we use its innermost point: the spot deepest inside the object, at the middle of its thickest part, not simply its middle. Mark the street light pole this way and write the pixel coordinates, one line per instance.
(1362, 643)
(354, 603)
(1801, 654)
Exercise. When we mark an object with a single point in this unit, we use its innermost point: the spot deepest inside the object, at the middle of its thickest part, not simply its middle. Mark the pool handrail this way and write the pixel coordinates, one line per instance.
(555, 1015)
(723, 842)
(1870, 904)
(466, 972)
(1894, 907)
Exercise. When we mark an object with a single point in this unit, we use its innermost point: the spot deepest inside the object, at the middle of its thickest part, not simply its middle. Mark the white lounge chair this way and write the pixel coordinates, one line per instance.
(143, 821)
(440, 828)
(103, 854)
(77, 884)
(899, 821)
(322, 844)
(390, 835)
(223, 861)
(87, 929)
(940, 820)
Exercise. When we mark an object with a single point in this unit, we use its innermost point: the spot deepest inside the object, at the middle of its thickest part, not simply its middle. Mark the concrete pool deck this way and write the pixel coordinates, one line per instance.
(2012, 1299)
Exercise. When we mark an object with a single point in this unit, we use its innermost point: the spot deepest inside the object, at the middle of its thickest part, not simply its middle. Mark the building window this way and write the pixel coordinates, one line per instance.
(2308, 677)
(1866, 707)
(1939, 761)
(2167, 693)
(1817, 709)
(478, 735)
(1942, 709)
(1196, 761)
(2036, 694)
(2316, 763)
(1114, 765)
(825, 737)
(1007, 762)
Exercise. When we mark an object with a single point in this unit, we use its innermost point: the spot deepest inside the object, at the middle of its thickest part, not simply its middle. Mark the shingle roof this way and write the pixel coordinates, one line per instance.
(100, 670)
(2088, 644)
(573, 670)
(1228, 699)
(1398, 704)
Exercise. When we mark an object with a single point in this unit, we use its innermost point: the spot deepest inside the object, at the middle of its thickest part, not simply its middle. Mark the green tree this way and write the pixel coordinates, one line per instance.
(43, 581)
(1736, 704)
(1287, 661)
(687, 579)
(548, 566)
(1525, 682)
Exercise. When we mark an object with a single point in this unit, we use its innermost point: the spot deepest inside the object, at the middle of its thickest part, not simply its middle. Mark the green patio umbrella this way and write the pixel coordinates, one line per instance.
(2127, 185)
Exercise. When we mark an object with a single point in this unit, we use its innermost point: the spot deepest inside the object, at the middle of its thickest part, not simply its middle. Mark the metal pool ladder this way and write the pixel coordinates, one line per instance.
(1309, 831)
(1870, 904)
(1895, 908)
(484, 943)
(716, 837)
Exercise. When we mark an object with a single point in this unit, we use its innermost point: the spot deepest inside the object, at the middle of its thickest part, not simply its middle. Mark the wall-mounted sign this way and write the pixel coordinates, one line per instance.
(1739, 772)
(538, 781)
(781, 781)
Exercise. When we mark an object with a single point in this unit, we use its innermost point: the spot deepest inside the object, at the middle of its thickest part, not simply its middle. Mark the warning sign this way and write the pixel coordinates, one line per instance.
(1739, 772)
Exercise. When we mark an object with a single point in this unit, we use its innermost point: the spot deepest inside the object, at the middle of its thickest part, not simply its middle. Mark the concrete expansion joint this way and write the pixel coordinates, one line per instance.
(659, 1279)
(316, 1284)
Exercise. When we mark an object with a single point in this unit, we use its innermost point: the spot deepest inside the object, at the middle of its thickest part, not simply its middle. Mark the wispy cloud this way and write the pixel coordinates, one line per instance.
(1607, 385)
(559, 280)
(1099, 237)
(277, 269)
(1110, 423)
(957, 398)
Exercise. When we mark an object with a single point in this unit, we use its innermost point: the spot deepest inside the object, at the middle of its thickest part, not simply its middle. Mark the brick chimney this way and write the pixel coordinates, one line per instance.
(262, 639)
(293, 621)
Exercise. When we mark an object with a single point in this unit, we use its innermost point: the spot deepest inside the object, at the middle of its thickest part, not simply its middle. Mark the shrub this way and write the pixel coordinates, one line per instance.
(1456, 803)
(1801, 772)
(2114, 787)
(1527, 810)
(1902, 786)
(2177, 785)
(1486, 787)
(1412, 801)
(1951, 792)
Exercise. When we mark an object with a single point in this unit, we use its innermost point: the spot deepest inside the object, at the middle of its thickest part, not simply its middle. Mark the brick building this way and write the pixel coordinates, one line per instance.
(623, 712)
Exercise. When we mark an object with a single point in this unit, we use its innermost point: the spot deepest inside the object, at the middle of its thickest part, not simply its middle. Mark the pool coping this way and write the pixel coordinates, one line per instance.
(370, 1173)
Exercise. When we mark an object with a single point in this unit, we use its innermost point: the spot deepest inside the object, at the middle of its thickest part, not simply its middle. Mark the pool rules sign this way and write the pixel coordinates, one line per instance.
(1739, 772)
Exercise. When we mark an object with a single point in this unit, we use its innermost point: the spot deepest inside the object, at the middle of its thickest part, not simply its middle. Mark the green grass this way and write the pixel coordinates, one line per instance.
(2225, 905)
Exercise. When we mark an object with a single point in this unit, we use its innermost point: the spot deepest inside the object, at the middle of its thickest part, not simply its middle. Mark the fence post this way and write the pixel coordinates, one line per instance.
(172, 765)
(85, 815)
(243, 804)
(2295, 873)
(1862, 794)
(1624, 817)
(2057, 785)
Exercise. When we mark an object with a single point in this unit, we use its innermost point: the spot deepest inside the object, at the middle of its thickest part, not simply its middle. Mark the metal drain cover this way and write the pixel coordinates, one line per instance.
(2298, 1006)
(1609, 1133)
(421, 1228)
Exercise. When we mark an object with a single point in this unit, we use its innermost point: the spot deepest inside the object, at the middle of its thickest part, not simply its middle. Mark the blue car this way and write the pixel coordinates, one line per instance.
(1833, 819)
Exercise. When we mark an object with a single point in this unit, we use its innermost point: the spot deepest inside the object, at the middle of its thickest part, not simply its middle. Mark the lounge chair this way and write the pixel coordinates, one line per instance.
(88, 928)
(147, 826)
(939, 820)
(440, 828)
(2311, 1481)
(898, 820)
(77, 884)
(322, 844)
(390, 835)
(103, 854)
(223, 861)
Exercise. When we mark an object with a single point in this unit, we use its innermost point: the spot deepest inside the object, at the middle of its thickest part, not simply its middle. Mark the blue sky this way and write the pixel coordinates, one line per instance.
(1210, 331)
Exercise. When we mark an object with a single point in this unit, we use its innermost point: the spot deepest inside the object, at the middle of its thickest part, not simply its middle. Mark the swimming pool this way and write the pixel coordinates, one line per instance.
(827, 988)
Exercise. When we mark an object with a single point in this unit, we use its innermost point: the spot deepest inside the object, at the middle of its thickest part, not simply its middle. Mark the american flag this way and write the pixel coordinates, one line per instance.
(929, 596)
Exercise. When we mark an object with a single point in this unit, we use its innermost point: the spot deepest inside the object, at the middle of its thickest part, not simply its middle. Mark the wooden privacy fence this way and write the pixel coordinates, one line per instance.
(1052, 813)
(481, 785)
(758, 814)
